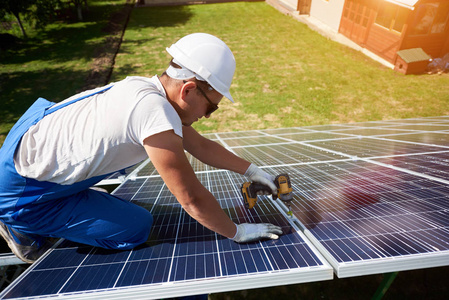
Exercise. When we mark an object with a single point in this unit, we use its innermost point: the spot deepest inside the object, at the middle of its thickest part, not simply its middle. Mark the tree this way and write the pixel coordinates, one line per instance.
(40, 12)
(16, 7)
(45, 11)
(79, 7)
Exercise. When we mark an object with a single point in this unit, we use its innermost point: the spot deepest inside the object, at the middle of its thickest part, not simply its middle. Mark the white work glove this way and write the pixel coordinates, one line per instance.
(247, 233)
(254, 173)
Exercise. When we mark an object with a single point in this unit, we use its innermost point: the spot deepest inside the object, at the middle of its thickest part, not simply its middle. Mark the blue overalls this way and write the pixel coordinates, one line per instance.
(74, 212)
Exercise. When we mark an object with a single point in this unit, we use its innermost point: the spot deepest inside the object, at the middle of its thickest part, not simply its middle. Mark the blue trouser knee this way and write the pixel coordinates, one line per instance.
(89, 217)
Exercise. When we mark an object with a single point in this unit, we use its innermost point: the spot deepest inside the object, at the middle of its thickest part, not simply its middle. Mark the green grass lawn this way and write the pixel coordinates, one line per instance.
(287, 75)
(52, 63)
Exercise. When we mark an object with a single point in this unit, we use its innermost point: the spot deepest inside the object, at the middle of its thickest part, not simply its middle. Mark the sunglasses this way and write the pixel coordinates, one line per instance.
(212, 106)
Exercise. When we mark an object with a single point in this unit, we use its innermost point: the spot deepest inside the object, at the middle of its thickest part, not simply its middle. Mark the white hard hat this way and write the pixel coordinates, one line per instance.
(208, 57)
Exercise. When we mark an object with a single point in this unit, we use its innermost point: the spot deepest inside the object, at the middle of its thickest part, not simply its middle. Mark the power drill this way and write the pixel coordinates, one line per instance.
(249, 191)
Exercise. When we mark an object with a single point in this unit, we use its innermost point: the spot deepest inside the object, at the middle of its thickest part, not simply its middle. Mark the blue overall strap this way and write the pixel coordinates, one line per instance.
(54, 108)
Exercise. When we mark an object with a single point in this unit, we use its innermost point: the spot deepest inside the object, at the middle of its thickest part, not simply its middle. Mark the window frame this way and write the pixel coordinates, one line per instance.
(397, 10)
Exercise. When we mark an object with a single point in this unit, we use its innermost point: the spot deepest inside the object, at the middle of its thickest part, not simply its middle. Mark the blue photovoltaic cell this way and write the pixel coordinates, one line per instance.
(241, 134)
(432, 138)
(286, 153)
(433, 164)
(370, 131)
(367, 147)
(328, 127)
(282, 131)
(372, 197)
(312, 136)
(423, 127)
(259, 140)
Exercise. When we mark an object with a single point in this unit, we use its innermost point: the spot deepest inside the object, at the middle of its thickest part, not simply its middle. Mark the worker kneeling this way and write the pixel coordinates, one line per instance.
(56, 152)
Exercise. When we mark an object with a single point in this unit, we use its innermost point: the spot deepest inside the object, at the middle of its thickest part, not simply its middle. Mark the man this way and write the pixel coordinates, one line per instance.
(56, 152)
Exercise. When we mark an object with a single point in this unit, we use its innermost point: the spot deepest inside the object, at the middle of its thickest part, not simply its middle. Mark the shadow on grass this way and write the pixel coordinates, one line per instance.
(64, 42)
(59, 44)
(166, 16)
(20, 89)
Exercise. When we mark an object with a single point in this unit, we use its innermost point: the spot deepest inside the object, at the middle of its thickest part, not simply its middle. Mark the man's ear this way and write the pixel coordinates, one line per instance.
(187, 90)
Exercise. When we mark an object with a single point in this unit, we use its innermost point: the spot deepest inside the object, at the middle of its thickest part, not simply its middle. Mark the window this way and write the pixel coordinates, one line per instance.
(392, 17)
(424, 18)
(430, 18)
(357, 11)
(401, 18)
(385, 15)
(441, 19)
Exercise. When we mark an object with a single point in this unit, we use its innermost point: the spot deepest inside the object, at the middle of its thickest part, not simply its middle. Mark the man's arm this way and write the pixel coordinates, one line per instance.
(212, 153)
(167, 154)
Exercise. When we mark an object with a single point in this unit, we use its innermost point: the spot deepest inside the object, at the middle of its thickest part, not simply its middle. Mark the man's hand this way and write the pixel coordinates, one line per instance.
(247, 233)
(254, 173)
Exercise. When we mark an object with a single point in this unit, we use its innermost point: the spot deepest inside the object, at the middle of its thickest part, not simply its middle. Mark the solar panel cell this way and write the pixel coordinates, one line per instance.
(98, 277)
(366, 147)
(32, 285)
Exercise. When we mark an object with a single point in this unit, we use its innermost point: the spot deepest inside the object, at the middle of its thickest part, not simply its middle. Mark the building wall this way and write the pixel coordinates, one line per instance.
(328, 11)
(445, 48)
(383, 43)
(434, 46)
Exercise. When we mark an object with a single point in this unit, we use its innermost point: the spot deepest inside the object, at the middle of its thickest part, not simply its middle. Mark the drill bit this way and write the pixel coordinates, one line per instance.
(289, 212)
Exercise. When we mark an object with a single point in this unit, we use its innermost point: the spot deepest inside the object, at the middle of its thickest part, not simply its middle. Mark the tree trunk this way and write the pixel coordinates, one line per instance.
(79, 10)
(20, 24)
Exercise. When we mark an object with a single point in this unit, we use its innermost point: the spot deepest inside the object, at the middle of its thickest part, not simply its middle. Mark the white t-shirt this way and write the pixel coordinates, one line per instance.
(97, 135)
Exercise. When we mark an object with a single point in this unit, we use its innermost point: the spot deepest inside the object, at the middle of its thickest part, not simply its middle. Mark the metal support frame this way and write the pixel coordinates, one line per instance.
(384, 285)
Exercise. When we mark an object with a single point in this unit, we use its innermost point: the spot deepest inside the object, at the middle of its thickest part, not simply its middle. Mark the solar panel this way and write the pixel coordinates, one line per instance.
(181, 257)
(368, 218)
(384, 209)
(369, 198)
